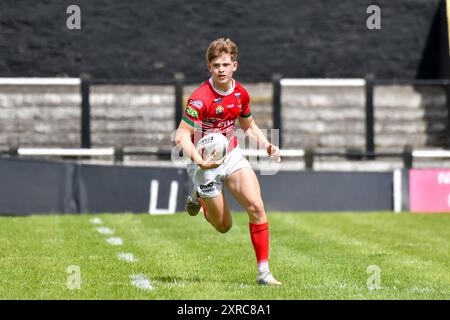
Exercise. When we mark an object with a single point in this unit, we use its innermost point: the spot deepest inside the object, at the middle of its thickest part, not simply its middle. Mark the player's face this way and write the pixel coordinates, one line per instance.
(222, 69)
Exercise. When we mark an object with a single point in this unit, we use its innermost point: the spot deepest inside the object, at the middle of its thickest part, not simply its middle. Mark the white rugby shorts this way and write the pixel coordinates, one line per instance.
(209, 183)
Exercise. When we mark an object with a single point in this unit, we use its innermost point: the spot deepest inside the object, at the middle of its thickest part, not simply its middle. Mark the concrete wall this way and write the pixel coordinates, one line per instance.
(40, 115)
(331, 118)
(143, 116)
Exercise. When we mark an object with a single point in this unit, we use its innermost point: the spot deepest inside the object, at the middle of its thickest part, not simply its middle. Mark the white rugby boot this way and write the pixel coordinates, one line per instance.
(193, 205)
(266, 279)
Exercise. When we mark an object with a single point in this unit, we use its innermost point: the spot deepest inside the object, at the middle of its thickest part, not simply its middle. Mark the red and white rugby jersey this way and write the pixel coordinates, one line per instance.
(211, 110)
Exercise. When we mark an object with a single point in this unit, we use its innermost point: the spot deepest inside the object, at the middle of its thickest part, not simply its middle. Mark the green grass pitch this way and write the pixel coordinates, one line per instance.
(315, 255)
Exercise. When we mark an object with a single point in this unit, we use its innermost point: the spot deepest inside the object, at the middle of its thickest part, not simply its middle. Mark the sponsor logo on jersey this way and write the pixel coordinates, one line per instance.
(237, 95)
(219, 109)
(225, 123)
(196, 103)
(230, 105)
(218, 100)
(192, 112)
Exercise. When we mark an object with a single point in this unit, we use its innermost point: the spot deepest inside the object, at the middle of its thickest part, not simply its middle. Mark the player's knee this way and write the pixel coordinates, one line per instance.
(224, 227)
(256, 207)
(256, 212)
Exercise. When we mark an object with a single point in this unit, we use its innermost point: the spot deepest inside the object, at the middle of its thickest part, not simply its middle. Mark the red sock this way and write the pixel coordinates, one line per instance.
(259, 233)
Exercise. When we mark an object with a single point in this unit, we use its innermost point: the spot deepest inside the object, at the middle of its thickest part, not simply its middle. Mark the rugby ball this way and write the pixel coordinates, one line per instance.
(210, 143)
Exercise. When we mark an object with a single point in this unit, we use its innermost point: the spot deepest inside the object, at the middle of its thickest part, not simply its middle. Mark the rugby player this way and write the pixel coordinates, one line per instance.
(214, 107)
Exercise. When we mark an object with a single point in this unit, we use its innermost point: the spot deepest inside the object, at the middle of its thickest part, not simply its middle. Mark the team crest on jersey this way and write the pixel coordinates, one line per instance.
(219, 109)
(196, 103)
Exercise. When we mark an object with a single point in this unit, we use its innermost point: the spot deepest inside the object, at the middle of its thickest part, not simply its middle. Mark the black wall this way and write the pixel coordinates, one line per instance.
(154, 39)
(325, 191)
(41, 187)
(34, 187)
(28, 186)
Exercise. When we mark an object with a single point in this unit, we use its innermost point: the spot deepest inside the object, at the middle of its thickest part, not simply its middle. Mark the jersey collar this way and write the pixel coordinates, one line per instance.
(223, 93)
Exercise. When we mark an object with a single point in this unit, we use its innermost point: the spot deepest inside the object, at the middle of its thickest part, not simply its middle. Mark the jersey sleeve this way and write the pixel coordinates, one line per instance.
(245, 111)
(193, 113)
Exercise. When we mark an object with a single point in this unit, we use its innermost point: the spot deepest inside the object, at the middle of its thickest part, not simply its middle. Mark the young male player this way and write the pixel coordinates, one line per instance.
(215, 106)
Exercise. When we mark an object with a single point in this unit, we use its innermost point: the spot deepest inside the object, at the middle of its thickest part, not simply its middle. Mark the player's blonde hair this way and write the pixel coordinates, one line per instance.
(219, 47)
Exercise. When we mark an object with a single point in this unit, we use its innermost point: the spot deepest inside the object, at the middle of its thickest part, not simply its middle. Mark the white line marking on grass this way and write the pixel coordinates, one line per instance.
(141, 281)
(96, 221)
(138, 280)
(128, 257)
(105, 230)
(115, 241)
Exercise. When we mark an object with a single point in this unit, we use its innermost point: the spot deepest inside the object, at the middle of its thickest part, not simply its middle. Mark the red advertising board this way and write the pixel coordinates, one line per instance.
(429, 190)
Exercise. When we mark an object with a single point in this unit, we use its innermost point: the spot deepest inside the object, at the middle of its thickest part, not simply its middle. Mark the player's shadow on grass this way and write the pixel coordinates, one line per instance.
(173, 280)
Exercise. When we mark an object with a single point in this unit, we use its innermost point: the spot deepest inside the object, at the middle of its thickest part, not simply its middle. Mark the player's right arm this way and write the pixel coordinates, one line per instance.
(183, 139)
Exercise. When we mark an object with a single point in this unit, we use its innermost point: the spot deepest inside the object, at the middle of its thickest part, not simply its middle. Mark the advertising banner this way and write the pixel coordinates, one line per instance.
(429, 190)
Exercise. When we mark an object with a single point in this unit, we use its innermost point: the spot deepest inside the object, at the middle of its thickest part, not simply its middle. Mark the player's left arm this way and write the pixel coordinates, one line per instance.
(251, 129)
